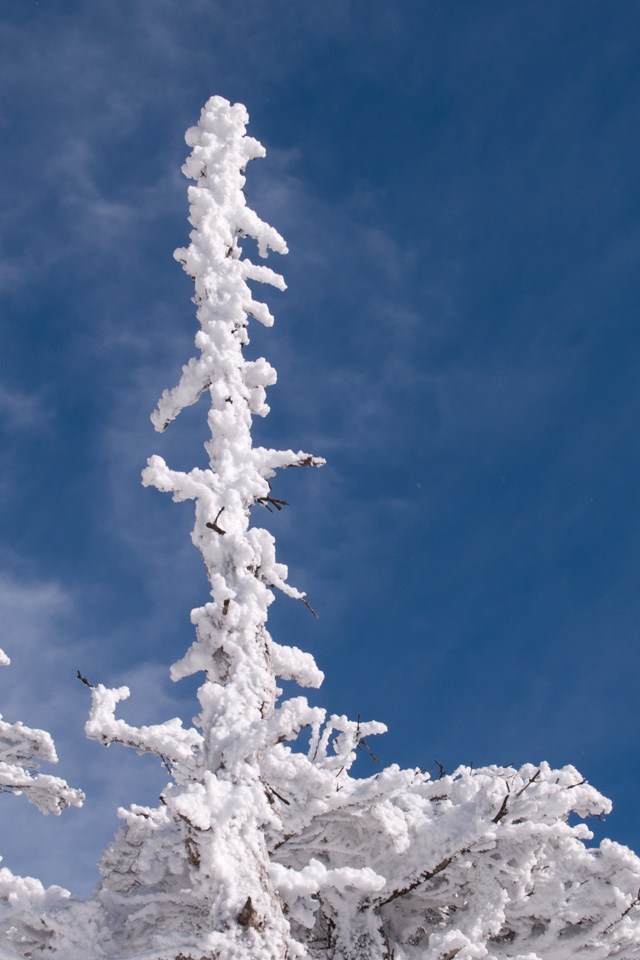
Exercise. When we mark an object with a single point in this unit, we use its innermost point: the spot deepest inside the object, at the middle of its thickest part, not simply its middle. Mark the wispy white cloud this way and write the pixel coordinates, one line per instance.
(20, 410)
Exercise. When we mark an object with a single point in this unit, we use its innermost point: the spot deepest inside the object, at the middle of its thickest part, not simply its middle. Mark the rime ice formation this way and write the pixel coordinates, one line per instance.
(261, 852)
(21, 750)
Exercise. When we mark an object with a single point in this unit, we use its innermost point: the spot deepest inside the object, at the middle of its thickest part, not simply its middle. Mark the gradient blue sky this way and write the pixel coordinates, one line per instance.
(458, 185)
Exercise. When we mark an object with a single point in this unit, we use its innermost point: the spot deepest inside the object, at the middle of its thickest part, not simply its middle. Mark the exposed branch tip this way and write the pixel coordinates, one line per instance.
(307, 604)
(214, 525)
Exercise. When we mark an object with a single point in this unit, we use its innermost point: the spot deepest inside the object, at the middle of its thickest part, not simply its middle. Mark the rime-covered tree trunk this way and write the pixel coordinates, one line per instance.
(219, 806)
(261, 852)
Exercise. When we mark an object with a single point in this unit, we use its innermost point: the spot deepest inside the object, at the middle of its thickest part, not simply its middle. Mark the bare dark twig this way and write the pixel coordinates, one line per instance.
(308, 462)
(363, 743)
(214, 525)
(193, 854)
(275, 793)
(166, 764)
(634, 903)
(502, 812)
(278, 504)
(427, 875)
(307, 604)
(529, 782)
(287, 836)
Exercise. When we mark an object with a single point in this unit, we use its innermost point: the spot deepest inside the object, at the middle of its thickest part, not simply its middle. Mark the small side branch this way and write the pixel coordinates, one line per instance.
(166, 764)
(278, 504)
(502, 812)
(308, 605)
(533, 780)
(634, 903)
(428, 875)
(363, 743)
(504, 808)
(214, 525)
(308, 462)
(272, 792)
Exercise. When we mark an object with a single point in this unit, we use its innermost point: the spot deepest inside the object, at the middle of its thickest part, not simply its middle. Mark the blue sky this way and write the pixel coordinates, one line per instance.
(457, 183)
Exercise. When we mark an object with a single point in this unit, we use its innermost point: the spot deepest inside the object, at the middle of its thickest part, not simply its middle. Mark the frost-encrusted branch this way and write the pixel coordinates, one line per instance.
(22, 749)
(167, 740)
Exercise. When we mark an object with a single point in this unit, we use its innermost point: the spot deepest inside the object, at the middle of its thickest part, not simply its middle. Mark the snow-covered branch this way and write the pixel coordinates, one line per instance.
(21, 751)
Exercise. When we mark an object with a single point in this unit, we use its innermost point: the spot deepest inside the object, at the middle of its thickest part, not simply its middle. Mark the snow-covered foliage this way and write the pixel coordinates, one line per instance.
(21, 751)
(260, 850)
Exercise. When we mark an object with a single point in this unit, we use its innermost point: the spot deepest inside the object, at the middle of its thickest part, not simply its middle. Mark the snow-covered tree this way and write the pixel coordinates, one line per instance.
(260, 849)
